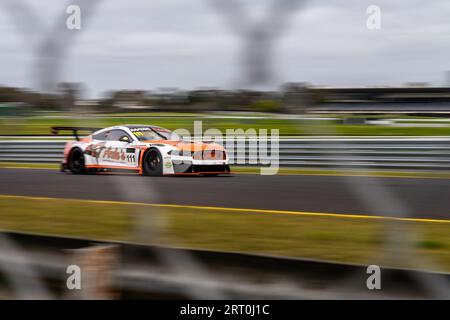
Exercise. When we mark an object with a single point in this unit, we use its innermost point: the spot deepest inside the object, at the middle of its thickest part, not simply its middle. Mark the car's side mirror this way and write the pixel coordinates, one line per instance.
(124, 139)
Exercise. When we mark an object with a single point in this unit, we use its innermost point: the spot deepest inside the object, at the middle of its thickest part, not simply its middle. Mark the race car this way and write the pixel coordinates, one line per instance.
(144, 149)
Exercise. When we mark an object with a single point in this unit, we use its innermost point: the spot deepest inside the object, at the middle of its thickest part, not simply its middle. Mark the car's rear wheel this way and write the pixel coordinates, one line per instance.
(76, 161)
(153, 163)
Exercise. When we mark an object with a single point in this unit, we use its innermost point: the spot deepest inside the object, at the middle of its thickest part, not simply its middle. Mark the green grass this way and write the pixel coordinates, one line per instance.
(41, 125)
(350, 172)
(431, 244)
(328, 238)
(372, 130)
(29, 165)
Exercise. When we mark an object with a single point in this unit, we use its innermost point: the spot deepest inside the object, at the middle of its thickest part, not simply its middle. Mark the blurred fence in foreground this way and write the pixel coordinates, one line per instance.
(405, 153)
(140, 273)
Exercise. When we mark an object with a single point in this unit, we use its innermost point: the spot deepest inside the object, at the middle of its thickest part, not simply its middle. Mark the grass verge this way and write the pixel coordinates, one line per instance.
(282, 171)
(41, 125)
(26, 165)
(328, 238)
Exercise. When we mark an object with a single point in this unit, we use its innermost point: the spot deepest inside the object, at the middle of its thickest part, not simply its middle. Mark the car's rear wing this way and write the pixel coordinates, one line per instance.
(75, 130)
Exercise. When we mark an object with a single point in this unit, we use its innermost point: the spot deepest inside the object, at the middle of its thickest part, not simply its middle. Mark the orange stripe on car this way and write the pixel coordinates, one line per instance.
(141, 167)
(188, 146)
(111, 167)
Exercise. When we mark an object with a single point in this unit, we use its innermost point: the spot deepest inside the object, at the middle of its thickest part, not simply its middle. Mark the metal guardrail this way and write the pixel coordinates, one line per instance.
(412, 153)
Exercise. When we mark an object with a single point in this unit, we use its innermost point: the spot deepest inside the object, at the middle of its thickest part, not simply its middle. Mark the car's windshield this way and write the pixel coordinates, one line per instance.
(153, 133)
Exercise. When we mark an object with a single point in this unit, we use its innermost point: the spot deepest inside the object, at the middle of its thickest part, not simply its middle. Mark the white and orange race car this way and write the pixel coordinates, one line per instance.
(144, 149)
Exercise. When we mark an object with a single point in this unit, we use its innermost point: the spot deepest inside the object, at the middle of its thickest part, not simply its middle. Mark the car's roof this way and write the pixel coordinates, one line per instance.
(131, 126)
(136, 126)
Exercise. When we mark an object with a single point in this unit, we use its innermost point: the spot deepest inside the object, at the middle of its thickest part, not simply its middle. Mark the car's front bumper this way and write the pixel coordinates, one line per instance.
(192, 168)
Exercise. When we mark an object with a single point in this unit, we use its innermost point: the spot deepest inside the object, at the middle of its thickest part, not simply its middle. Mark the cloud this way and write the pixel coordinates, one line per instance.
(186, 43)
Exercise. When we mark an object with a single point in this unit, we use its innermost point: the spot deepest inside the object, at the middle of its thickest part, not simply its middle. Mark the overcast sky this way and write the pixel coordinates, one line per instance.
(149, 44)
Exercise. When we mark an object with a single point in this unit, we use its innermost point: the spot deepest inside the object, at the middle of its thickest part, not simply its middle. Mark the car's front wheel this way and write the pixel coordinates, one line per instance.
(76, 161)
(153, 163)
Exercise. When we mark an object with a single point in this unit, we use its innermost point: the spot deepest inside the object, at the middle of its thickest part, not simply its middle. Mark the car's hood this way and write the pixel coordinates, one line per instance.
(187, 145)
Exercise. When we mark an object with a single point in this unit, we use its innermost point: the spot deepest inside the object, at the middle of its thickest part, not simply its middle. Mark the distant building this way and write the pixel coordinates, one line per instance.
(129, 100)
(14, 109)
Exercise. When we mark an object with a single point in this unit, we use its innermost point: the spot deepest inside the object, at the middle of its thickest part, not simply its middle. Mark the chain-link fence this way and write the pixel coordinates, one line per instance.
(54, 59)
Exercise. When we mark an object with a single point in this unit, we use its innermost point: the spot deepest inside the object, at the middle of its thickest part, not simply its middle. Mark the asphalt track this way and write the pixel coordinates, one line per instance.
(415, 198)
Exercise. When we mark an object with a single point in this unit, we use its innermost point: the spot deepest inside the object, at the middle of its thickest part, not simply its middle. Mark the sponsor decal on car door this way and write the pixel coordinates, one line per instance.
(117, 152)
(132, 155)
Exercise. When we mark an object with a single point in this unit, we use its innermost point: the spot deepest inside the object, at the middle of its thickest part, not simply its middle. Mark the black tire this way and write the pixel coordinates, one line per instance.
(76, 161)
(153, 163)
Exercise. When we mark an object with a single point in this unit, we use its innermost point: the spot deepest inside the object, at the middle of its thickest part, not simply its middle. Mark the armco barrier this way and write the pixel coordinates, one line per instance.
(413, 153)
